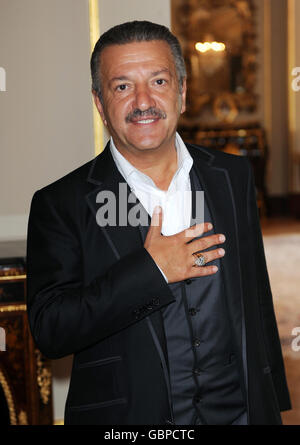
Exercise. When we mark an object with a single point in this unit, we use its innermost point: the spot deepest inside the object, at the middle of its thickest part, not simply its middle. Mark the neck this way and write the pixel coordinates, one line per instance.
(159, 164)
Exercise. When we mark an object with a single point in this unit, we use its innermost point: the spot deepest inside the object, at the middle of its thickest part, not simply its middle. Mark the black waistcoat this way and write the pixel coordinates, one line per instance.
(204, 378)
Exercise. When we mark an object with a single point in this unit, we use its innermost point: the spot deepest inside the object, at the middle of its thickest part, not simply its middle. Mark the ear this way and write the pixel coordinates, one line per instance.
(99, 107)
(183, 96)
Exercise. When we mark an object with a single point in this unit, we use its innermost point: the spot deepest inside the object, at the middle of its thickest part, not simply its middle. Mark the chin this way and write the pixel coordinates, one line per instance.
(148, 143)
(149, 146)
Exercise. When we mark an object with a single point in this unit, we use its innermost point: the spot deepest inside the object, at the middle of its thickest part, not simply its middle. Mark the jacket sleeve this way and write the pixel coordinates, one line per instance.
(270, 330)
(66, 316)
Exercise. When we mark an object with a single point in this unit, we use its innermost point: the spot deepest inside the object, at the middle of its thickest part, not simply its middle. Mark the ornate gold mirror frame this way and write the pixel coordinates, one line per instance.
(218, 38)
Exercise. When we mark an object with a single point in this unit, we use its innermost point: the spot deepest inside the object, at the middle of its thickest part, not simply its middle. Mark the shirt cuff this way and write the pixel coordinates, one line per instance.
(163, 274)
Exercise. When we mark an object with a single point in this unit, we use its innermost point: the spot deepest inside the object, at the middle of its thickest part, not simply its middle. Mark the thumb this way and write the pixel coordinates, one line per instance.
(156, 222)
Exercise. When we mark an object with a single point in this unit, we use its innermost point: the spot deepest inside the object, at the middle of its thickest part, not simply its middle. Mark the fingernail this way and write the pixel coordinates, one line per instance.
(210, 226)
(221, 252)
(215, 268)
(222, 238)
(157, 209)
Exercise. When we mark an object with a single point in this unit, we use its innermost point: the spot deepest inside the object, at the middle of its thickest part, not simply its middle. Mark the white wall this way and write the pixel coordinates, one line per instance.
(45, 112)
(114, 12)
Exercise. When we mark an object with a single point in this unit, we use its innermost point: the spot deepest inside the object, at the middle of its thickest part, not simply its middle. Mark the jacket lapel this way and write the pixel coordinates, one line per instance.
(123, 239)
(218, 194)
(104, 174)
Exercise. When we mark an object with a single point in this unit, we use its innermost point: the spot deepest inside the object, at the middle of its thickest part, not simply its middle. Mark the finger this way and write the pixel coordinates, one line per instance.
(195, 231)
(203, 271)
(204, 243)
(209, 256)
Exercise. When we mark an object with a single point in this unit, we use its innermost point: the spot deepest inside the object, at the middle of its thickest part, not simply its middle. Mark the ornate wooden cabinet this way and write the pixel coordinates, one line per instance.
(25, 375)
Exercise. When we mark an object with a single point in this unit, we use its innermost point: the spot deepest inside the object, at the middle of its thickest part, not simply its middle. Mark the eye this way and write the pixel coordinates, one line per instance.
(121, 87)
(160, 81)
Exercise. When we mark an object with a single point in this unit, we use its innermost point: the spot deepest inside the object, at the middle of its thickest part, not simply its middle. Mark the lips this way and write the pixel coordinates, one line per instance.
(144, 121)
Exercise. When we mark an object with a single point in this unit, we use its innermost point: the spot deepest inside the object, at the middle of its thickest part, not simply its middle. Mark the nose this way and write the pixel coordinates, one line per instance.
(143, 98)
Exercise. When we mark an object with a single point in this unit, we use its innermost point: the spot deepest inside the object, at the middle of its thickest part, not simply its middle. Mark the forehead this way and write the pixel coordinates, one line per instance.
(119, 59)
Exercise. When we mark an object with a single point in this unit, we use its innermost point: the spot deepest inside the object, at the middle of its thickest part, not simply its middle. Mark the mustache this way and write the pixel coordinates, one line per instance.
(151, 112)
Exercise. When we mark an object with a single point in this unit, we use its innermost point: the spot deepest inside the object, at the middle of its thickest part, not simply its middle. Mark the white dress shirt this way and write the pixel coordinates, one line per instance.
(175, 202)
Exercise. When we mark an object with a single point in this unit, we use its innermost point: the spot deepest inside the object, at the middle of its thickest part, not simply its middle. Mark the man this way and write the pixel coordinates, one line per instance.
(165, 327)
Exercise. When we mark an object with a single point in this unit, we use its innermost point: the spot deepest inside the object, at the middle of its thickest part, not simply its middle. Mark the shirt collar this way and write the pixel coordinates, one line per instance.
(184, 160)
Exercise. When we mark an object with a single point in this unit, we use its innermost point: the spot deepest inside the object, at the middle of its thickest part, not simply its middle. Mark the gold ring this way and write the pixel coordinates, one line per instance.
(200, 259)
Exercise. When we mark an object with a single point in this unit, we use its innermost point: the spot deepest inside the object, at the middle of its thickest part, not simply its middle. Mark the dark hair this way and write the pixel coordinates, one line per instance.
(136, 31)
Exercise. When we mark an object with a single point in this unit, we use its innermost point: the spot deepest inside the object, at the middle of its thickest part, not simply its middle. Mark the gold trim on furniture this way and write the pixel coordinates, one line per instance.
(12, 277)
(43, 378)
(9, 399)
(22, 418)
(13, 308)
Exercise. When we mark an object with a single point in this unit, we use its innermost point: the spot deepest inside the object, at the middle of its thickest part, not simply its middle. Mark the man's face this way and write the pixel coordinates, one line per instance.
(142, 101)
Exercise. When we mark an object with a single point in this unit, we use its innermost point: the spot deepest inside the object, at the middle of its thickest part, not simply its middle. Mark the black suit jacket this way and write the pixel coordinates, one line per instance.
(95, 292)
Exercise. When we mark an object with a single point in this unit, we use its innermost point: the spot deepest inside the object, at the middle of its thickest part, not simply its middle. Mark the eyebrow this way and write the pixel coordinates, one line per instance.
(164, 70)
(116, 79)
(153, 74)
